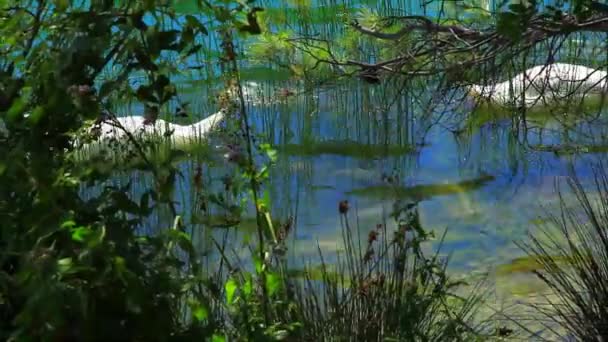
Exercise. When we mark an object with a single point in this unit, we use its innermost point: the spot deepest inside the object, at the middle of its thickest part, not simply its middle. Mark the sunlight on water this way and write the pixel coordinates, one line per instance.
(474, 173)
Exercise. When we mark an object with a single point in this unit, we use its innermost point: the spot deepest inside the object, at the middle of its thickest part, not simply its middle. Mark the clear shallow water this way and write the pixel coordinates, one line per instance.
(494, 193)
(486, 185)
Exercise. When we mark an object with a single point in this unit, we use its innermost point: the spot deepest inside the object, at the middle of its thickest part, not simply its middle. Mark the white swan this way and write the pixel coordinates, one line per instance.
(113, 135)
(543, 84)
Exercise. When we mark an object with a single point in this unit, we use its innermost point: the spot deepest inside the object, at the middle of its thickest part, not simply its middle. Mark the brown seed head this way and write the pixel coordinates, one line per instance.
(343, 207)
(373, 236)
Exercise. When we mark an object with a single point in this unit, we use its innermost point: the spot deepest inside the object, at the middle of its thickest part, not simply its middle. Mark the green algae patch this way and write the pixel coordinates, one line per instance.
(527, 264)
(347, 148)
(570, 149)
(422, 192)
(571, 111)
(520, 286)
(592, 103)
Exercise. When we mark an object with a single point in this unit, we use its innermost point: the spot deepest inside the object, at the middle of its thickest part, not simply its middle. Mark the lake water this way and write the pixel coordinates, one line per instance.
(475, 173)
(479, 179)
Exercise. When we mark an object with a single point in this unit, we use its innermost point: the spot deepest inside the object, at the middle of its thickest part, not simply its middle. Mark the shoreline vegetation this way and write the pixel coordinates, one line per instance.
(119, 265)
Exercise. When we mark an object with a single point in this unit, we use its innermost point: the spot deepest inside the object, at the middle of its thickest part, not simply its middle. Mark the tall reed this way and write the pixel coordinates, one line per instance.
(384, 288)
(574, 262)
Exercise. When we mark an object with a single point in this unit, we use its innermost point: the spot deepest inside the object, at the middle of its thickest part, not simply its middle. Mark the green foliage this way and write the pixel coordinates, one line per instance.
(74, 268)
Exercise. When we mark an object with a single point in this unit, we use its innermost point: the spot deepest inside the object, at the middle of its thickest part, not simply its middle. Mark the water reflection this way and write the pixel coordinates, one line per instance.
(480, 174)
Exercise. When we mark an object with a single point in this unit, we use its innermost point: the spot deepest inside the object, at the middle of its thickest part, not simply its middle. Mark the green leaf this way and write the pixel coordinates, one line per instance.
(166, 39)
(249, 23)
(241, 18)
(517, 8)
(258, 264)
(195, 23)
(144, 93)
(61, 5)
(230, 287)
(272, 154)
(273, 283)
(138, 22)
(263, 173)
(80, 234)
(187, 36)
(144, 59)
(120, 266)
(124, 203)
(222, 14)
(509, 25)
(265, 201)
(280, 335)
(182, 239)
(270, 226)
(218, 338)
(199, 311)
(107, 88)
(36, 115)
(248, 287)
(16, 109)
(64, 265)
(68, 224)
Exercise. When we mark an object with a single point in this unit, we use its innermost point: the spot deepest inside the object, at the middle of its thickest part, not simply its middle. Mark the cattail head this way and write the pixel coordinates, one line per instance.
(343, 207)
(372, 236)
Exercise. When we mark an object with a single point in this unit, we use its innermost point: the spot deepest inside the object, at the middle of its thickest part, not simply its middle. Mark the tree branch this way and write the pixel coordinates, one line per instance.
(471, 46)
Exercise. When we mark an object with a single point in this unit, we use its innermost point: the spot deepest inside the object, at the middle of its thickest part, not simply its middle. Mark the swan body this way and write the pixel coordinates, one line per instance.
(543, 84)
(114, 134)
(121, 127)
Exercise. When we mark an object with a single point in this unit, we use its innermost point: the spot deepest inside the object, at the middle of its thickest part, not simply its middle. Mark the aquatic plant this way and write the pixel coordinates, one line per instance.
(423, 191)
(571, 260)
(384, 288)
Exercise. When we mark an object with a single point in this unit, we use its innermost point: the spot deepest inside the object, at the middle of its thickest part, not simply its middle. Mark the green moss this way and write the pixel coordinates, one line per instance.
(569, 149)
(572, 110)
(525, 265)
(422, 192)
